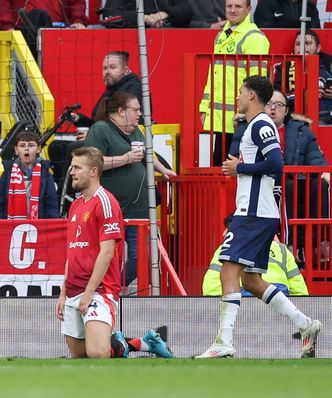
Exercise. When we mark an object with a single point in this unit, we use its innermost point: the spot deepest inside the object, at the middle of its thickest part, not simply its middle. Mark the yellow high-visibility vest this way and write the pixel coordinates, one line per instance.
(282, 270)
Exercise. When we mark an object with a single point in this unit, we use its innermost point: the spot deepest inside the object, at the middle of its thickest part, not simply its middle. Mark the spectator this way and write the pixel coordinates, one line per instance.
(282, 271)
(239, 36)
(117, 77)
(124, 172)
(42, 14)
(284, 14)
(27, 189)
(208, 13)
(311, 47)
(300, 148)
(158, 14)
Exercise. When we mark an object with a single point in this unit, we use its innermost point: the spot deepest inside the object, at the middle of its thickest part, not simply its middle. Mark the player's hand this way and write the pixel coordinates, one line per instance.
(60, 304)
(229, 166)
(85, 302)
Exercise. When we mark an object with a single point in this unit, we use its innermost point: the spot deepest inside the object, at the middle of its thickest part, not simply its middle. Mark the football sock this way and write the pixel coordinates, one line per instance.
(137, 345)
(117, 348)
(229, 307)
(276, 300)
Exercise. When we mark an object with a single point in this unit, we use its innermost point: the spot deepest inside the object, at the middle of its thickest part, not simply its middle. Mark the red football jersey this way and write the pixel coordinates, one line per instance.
(90, 223)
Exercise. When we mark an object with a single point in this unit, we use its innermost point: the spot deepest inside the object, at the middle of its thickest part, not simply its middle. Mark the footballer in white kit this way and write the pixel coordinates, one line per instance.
(256, 218)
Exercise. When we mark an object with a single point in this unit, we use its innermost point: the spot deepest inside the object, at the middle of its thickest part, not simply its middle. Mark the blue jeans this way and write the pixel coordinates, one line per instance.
(131, 264)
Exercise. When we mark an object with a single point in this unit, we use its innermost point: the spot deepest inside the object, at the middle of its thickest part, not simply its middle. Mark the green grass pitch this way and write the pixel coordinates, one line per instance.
(154, 377)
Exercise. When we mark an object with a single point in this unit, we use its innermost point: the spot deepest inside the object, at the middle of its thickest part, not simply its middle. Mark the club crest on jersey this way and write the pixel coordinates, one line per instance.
(86, 216)
(267, 134)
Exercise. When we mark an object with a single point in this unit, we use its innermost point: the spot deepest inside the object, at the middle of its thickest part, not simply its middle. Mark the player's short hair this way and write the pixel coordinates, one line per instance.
(261, 86)
(94, 156)
(27, 136)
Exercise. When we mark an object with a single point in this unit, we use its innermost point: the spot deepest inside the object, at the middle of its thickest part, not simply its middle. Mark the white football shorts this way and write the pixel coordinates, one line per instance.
(102, 308)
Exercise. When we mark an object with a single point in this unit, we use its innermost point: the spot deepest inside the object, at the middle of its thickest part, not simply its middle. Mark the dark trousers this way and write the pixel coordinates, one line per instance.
(220, 153)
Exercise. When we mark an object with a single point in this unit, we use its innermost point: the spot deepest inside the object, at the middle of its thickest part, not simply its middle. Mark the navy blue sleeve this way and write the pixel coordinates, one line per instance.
(272, 164)
(269, 158)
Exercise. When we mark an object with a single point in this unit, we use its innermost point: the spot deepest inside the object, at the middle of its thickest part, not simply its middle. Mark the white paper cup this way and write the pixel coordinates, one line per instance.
(137, 146)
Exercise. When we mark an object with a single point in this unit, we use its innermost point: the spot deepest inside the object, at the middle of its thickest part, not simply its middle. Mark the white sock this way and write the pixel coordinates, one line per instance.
(229, 307)
(276, 300)
(144, 346)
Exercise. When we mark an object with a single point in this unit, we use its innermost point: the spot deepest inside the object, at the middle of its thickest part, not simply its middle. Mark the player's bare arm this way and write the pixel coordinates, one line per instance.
(229, 166)
(100, 268)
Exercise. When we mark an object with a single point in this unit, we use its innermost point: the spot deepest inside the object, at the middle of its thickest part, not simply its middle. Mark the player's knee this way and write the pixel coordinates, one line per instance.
(98, 352)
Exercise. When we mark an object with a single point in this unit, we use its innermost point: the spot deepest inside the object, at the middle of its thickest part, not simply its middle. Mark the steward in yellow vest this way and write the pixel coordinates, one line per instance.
(282, 272)
(239, 36)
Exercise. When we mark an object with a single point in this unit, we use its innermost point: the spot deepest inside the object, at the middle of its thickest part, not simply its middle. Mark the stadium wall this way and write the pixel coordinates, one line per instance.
(29, 328)
(72, 59)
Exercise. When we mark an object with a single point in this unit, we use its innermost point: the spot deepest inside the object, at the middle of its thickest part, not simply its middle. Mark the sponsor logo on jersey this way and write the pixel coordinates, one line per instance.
(267, 134)
(86, 216)
(278, 14)
(81, 245)
(73, 218)
(111, 228)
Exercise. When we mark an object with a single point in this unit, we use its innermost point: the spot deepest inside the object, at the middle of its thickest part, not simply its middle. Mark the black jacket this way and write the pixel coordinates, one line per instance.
(129, 83)
(284, 14)
(179, 11)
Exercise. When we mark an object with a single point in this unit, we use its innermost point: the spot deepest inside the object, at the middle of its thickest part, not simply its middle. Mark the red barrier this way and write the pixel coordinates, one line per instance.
(192, 213)
(196, 66)
(311, 233)
(33, 256)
